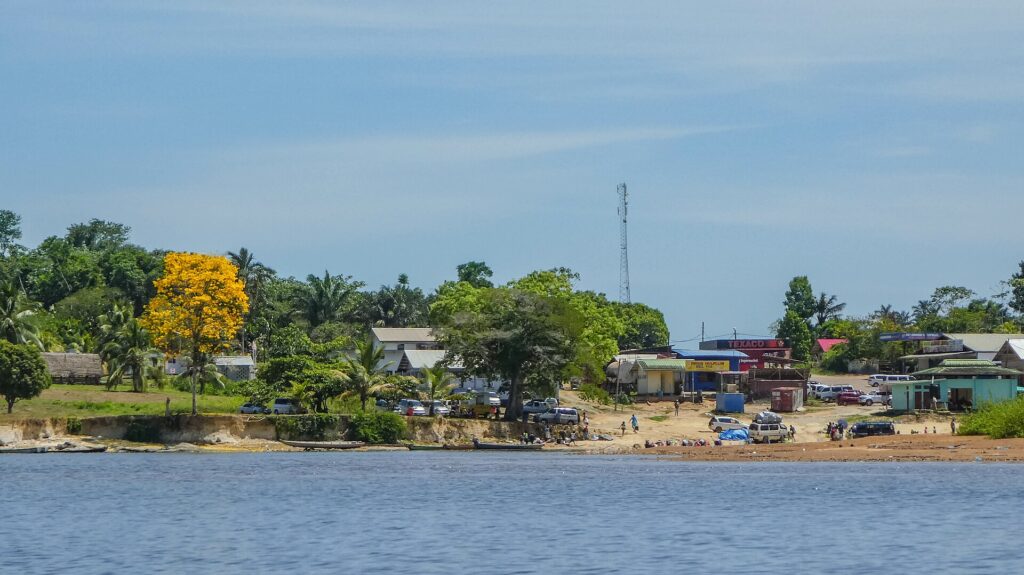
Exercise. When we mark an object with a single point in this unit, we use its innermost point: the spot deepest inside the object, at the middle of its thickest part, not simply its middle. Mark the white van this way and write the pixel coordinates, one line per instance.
(768, 432)
(880, 378)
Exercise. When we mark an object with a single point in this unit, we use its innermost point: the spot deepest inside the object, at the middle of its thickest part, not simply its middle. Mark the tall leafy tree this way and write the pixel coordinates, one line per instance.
(199, 307)
(400, 305)
(644, 326)
(793, 329)
(10, 232)
(23, 373)
(98, 235)
(17, 314)
(366, 371)
(476, 274)
(800, 298)
(516, 335)
(1016, 284)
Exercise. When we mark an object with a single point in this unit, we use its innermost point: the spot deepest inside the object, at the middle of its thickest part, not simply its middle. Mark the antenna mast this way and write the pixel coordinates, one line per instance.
(624, 252)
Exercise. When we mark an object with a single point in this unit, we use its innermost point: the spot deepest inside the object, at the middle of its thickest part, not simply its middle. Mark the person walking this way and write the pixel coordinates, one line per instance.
(623, 429)
(635, 423)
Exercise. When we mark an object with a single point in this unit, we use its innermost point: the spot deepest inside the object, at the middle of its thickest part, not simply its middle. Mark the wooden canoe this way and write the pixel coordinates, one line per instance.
(508, 446)
(424, 447)
(23, 450)
(323, 444)
(458, 446)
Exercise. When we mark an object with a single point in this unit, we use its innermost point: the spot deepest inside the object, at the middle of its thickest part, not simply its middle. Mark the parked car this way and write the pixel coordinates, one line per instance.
(287, 406)
(869, 428)
(768, 432)
(558, 415)
(874, 396)
(251, 407)
(816, 389)
(720, 423)
(880, 378)
(535, 406)
(848, 397)
(829, 393)
(405, 405)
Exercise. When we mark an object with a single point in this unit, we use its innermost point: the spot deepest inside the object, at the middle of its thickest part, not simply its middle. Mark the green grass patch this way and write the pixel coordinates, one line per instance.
(996, 420)
(658, 418)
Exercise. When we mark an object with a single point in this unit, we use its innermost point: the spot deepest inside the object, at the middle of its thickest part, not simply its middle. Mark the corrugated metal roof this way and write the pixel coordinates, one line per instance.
(418, 359)
(244, 360)
(710, 354)
(410, 334)
(984, 342)
(1016, 346)
(966, 367)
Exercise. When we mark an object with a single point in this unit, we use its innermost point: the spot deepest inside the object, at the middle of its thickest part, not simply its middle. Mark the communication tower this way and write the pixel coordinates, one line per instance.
(623, 251)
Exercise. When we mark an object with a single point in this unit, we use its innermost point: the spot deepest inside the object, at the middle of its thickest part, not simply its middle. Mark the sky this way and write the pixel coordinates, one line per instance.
(869, 145)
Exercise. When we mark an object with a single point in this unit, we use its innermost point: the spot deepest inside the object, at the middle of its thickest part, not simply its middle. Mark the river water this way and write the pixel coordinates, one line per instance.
(437, 512)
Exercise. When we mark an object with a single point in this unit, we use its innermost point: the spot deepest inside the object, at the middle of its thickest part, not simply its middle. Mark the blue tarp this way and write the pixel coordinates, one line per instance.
(734, 435)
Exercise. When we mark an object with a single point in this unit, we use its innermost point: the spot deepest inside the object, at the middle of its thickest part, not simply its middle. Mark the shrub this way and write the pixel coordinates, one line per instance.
(996, 420)
(315, 427)
(74, 426)
(378, 426)
(142, 431)
(591, 392)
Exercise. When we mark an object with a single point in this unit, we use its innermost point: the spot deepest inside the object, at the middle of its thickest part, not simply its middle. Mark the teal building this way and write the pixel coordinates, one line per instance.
(956, 385)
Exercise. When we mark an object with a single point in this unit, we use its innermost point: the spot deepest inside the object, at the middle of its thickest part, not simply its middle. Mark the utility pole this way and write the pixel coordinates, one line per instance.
(702, 332)
(734, 333)
(623, 250)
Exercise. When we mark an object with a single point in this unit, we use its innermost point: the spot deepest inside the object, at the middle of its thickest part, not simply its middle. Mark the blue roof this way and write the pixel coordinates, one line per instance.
(710, 354)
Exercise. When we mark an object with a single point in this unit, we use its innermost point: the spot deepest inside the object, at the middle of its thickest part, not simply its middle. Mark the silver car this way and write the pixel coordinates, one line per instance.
(441, 408)
(410, 407)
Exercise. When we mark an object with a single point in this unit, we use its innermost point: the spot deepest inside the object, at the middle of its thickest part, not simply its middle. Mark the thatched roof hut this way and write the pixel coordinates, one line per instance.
(74, 367)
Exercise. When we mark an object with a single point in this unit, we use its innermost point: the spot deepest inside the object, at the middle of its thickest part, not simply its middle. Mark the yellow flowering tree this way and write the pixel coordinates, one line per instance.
(200, 305)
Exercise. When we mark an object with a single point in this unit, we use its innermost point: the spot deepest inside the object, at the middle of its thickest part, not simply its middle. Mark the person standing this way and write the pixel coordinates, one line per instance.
(635, 423)
(677, 407)
(623, 429)
(952, 425)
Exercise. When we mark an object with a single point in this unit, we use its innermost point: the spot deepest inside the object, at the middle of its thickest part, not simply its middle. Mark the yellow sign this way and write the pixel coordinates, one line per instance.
(695, 365)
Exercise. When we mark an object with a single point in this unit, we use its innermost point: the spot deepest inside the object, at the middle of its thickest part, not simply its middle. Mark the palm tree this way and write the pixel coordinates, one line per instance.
(128, 351)
(325, 298)
(111, 324)
(366, 371)
(827, 307)
(16, 316)
(255, 276)
(202, 371)
(439, 383)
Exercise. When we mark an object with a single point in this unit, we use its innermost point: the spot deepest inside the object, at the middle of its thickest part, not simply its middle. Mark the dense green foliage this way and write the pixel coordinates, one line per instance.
(996, 420)
(23, 373)
(377, 426)
(313, 427)
(593, 393)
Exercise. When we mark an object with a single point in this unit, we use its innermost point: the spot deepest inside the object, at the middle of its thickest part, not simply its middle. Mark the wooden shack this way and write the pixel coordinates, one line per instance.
(80, 368)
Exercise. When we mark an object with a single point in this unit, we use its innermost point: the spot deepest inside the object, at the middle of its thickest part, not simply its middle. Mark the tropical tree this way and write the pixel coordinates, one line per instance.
(1016, 284)
(366, 371)
(255, 276)
(17, 316)
(476, 274)
(827, 307)
(516, 335)
(10, 232)
(23, 373)
(793, 329)
(800, 298)
(399, 305)
(438, 382)
(199, 307)
(128, 351)
(327, 298)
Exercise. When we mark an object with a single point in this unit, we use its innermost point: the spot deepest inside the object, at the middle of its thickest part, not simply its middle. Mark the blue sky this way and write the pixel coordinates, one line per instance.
(869, 145)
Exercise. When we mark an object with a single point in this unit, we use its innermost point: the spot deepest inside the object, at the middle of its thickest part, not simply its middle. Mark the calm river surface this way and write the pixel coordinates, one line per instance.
(430, 512)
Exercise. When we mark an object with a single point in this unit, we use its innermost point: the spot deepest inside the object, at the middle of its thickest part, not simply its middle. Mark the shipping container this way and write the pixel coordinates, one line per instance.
(787, 399)
(729, 402)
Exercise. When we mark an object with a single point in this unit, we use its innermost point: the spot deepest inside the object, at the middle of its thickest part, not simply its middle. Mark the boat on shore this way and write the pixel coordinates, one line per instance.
(508, 446)
(23, 449)
(311, 445)
(458, 446)
(424, 447)
(82, 449)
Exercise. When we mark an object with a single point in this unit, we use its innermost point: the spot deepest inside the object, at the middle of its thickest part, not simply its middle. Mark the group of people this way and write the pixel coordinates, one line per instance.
(836, 431)
(684, 442)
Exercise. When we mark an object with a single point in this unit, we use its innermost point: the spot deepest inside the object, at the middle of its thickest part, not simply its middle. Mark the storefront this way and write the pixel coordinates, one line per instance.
(760, 352)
